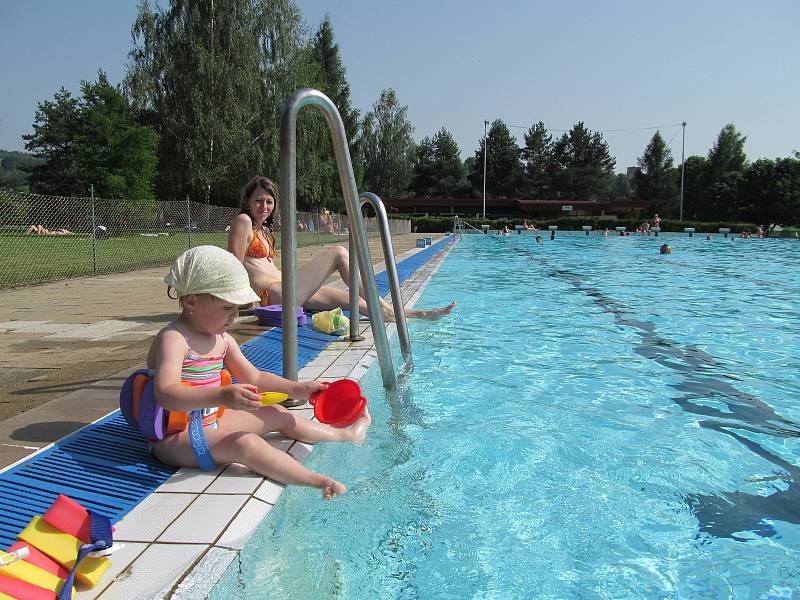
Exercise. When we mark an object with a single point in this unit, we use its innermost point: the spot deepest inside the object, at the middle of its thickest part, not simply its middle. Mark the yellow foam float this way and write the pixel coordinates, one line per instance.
(25, 571)
(63, 548)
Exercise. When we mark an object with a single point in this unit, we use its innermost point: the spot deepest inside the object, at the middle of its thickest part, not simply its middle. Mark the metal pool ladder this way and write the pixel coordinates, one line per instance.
(358, 240)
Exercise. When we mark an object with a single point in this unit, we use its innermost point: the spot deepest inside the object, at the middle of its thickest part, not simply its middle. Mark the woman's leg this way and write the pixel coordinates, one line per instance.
(312, 275)
(314, 295)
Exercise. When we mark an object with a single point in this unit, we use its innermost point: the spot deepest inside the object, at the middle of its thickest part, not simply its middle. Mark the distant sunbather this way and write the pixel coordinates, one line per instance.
(41, 230)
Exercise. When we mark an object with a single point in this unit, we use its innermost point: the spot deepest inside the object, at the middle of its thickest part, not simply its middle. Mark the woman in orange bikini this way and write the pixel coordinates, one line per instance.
(251, 241)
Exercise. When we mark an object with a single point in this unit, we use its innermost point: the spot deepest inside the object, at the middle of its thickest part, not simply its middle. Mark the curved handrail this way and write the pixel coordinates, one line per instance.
(463, 222)
(391, 271)
(288, 160)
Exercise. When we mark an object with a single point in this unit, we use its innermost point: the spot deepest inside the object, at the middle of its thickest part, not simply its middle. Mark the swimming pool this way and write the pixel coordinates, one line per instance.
(597, 420)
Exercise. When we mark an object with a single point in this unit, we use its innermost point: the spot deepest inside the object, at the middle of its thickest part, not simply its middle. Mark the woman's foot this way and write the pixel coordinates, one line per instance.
(432, 314)
(332, 488)
(358, 430)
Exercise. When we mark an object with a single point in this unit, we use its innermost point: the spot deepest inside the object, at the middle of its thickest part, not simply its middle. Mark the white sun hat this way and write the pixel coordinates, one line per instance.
(211, 270)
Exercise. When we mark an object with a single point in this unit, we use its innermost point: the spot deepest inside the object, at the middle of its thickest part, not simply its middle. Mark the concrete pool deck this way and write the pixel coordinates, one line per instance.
(169, 551)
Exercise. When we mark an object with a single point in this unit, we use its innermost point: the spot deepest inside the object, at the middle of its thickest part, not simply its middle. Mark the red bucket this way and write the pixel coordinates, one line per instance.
(340, 404)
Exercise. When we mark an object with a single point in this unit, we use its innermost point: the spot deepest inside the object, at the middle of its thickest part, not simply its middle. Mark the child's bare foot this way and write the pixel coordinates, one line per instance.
(332, 488)
(359, 428)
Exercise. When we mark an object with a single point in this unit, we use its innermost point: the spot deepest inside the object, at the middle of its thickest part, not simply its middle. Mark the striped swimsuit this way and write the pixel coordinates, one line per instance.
(204, 371)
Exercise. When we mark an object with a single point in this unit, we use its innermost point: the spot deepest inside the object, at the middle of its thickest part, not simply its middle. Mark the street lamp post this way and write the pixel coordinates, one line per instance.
(683, 166)
(485, 124)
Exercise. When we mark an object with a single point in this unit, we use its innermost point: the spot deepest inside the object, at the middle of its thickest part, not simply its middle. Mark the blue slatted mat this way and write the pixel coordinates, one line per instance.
(107, 466)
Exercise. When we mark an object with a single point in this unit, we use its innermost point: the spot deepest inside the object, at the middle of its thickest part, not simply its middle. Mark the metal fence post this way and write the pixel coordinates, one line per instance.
(189, 216)
(94, 234)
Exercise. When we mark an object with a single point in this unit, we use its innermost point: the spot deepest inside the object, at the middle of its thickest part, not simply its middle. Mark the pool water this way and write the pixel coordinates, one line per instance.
(596, 420)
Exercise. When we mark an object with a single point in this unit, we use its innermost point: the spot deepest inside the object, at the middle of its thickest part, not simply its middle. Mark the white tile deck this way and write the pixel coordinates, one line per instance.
(204, 518)
(119, 564)
(155, 572)
(245, 523)
(190, 480)
(269, 491)
(153, 515)
(236, 479)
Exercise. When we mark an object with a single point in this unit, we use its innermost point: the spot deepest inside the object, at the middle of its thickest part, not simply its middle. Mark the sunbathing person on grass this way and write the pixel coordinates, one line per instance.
(250, 239)
(41, 230)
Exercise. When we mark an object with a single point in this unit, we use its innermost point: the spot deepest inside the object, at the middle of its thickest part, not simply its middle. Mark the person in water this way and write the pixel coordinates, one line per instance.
(252, 242)
(187, 358)
(665, 249)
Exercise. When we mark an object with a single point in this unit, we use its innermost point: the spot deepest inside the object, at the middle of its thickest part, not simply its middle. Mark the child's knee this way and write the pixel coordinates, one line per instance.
(245, 444)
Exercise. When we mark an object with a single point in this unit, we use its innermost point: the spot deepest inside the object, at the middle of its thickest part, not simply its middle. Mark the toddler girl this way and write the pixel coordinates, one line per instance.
(187, 357)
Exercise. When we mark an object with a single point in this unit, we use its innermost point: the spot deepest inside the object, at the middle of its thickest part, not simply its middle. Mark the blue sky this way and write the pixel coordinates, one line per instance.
(612, 64)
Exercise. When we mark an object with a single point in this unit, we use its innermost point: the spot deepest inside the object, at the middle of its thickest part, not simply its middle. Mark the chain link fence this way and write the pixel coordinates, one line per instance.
(43, 238)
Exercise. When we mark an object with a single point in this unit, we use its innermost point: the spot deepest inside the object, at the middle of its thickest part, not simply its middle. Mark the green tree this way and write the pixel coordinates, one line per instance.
(334, 84)
(655, 179)
(55, 132)
(387, 147)
(770, 191)
(423, 179)
(196, 68)
(581, 162)
(15, 168)
(94, 139)
(694, 186)
(503, 167)
(448, 170)
(724, 174)
(438, 170)
(618, 186)
(727, 154)
(117, 154)
(538, 156)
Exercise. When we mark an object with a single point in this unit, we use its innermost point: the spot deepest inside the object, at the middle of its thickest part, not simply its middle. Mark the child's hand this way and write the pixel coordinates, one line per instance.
(306, 388)
(240, 396)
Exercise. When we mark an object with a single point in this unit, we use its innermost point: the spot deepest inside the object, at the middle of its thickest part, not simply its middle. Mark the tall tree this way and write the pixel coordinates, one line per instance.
(334, 84)
(117, 153)
(727, 153)
(581, 162)
(655, 179)
(94, 139)
(538, 156)
(503, 167)
(770, 192)
(724, 175)
(694, 201)
(438, 170)
(387, 147)
(54, 138)
(447, 165)
(197, 67)
(423, 177)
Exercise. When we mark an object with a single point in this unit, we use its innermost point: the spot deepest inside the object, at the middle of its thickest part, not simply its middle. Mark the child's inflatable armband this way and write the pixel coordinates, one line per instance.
(331, 321)
(137, 402)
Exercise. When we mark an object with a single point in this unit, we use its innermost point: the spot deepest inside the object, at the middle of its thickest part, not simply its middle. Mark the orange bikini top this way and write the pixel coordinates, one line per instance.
(258, 249)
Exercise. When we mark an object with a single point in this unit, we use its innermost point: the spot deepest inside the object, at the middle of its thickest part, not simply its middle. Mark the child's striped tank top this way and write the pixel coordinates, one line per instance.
(204, 371)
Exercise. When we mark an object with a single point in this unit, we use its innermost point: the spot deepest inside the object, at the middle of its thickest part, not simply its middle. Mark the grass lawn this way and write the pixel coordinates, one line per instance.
(32, 259)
